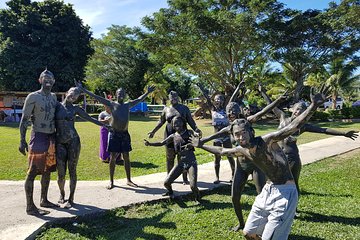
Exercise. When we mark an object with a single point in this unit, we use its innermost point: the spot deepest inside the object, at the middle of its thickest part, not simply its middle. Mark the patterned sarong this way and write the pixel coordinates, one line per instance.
(42, 152)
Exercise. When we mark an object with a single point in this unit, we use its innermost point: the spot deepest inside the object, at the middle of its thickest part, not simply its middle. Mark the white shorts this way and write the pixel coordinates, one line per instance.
(273, 211)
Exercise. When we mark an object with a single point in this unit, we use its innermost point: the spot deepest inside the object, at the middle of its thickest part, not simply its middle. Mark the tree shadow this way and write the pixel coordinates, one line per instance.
(9, 124)
(304, 193)
(316, 217)
(143, 165)
(114, 225)
(301, 237)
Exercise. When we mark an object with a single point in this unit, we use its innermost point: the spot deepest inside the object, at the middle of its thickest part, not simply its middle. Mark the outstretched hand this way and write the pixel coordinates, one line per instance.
(151, 88)
(196, 142)
(78, 85)
(146, 142)
(319, 98)
(150, 134)
(23, 148)
(351, 134)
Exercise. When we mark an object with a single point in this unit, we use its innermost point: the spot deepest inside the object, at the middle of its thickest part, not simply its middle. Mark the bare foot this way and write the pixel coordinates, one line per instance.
(186, 182)
(48, 204)
(37, 212)
(110, 186)
(131, 184)
(61, 200)
(68, 205)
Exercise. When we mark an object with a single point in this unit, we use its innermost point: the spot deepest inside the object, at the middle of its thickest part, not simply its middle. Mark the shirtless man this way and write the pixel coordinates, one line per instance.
(289, 144)
(274, 208)
(119, 137)
(175, 109)
(39, 108)
(243, 166)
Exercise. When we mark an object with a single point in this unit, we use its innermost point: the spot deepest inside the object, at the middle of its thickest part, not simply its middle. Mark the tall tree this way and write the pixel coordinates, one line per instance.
(35, 35)
(118, 62)
(217, 41)
(310, 39)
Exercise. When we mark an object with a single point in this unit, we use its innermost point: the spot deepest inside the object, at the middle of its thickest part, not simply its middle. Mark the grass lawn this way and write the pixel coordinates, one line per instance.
(329, 209)
(144, 160)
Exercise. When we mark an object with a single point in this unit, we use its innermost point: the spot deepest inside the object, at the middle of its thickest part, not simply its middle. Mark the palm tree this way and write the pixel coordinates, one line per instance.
(341, 77)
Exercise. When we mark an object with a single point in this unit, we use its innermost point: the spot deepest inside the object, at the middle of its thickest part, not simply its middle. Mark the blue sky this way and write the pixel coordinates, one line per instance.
(101, 14)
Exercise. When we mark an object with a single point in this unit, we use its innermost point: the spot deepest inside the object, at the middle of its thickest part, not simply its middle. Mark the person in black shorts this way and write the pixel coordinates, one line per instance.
(119, 137)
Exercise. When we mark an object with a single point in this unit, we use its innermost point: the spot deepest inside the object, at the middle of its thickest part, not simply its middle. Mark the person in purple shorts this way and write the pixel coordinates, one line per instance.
(39, 109)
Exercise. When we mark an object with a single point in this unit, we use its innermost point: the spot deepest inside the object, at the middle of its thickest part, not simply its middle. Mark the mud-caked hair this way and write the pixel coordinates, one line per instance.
(76, 90)
(173, 93)
(46, 73)
(244, 124)
(120, 90)
(234, 105)
(176, 118)
(301, 104)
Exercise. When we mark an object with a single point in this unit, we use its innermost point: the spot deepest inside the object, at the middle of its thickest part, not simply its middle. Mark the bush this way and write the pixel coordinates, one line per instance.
(321, 116)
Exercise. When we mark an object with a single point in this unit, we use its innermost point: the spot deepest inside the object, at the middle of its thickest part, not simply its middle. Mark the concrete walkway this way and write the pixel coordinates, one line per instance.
(92, 196)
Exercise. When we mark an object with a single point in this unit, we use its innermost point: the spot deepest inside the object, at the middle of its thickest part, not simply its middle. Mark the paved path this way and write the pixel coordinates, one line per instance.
(92, 196)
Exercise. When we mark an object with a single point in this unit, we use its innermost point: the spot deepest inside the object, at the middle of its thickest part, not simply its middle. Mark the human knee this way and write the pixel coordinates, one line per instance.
(251, 236)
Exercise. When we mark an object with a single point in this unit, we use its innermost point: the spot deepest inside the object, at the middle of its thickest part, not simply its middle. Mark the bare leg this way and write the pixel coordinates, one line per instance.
(217, 164)
(61, 155)
(31, 209)
(128, 169)
(113, 156)
(174, 174)
(237, 188)
(74, 153)
(45, 181)
(227, 144)
(193, 182)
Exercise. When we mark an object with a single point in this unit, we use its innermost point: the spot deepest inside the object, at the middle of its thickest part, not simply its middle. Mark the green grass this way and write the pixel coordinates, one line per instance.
(144, 160)
(329, 209)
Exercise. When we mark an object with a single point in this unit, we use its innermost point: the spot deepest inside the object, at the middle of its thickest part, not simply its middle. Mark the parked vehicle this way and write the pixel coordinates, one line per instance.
(339, 103)
(356, 104)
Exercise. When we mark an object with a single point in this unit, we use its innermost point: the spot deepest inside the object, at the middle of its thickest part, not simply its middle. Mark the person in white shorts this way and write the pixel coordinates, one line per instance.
(273, 211)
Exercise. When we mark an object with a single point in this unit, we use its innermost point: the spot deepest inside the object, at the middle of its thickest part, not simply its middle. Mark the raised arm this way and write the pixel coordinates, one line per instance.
(316, 129)
(208, 99)
(279, 114)
(98, 98)
(268, 108)
(236, 91)
(79, 111)
(167, 140)
(223, 132)
(237, 151)
(316, 100)
(142, 97)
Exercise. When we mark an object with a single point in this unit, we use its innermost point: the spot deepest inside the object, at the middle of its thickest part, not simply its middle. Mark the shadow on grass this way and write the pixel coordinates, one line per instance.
(300, 237)
(112, 226)
(316, 217)
(9, 124)
(143, 165)
(304, 193)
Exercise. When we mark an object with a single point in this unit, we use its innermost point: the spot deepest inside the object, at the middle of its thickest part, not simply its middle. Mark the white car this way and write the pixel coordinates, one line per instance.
(339, 103)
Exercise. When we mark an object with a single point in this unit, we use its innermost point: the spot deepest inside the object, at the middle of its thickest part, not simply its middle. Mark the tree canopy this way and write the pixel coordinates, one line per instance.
(36, 35)
(118, 62)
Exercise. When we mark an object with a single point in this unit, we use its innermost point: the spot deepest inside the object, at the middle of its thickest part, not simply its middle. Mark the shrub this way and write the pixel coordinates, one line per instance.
(320, 116)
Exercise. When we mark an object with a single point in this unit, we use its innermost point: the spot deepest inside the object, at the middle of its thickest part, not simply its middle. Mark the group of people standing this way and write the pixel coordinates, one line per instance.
(54, 143)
